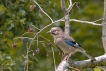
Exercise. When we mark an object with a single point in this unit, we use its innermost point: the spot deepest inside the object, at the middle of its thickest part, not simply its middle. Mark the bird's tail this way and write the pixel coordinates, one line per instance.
(86, 54)
(89, 56)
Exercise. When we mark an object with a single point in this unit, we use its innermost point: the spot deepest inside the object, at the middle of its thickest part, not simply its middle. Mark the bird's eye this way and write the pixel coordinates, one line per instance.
(54, 31)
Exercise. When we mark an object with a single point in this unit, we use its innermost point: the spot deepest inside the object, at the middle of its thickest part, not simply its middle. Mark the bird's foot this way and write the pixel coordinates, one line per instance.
(64, 55)
(67, 57)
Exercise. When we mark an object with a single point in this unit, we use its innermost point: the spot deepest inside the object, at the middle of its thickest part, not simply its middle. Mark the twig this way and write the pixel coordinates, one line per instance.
(74, 69)
(54, 58)
(25, 33)
(25, 62)
(43, 10)
(22, 37)
(27, 56)
(37, 40)
(47, 40)
(27, 38)
(35, 27)
(87, 22)
(98, 20)
(70, 6)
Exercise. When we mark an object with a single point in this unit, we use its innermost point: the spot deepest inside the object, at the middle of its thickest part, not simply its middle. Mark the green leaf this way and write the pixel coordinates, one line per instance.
(22, 12)
(23, 20)
(10, 27)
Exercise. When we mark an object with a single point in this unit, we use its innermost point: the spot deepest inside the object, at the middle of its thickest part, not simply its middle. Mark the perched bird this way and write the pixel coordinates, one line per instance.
(66, 43)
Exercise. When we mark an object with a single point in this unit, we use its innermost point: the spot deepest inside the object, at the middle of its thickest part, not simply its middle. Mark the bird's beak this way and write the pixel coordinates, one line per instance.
(49, 32)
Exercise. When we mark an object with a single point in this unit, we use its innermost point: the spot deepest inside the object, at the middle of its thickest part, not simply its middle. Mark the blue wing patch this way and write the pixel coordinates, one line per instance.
(72, 43)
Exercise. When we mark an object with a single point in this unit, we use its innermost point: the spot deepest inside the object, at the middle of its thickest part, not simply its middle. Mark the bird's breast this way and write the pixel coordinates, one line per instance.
(64, 46)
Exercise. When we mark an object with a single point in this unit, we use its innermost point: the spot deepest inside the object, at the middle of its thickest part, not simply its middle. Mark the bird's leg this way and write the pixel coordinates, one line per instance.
(64, 55)
(67, 56)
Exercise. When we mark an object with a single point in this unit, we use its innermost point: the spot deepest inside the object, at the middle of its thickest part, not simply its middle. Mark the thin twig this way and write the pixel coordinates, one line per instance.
(37, 40)
(54, 58)
(25, 62)
(27, 56)
(87, 22)
(43, 10)
(35, 27)
(25, 33)
(74, 69)
(98, 20)
(27, 38)
(70, 6)
(22, 37)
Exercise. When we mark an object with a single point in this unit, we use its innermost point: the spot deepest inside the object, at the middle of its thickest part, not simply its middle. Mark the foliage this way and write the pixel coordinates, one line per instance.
(16, 18)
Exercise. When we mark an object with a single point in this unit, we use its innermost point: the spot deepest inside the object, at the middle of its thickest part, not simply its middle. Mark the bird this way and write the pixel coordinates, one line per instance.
(66, 43)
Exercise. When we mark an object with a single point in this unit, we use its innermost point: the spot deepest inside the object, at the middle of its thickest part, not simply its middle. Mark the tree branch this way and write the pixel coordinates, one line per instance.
(100, 61)
(66, 17)
(85, 22)
(63, 6)
(70, 6)
(43, 10)
(104, 28)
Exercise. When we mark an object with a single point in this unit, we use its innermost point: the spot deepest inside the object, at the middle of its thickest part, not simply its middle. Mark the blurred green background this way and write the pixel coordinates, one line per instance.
(16, 17)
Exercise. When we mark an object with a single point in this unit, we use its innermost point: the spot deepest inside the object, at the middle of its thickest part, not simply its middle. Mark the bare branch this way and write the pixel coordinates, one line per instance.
(98, 20)
(43, 10)
(66, 17)
(63, 6)
(104, 28)
(100, 61)
(63, 66)
(84, 22)
(70, 5)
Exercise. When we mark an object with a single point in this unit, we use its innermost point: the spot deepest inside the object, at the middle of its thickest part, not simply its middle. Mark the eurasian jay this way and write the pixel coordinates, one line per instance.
(66, 43)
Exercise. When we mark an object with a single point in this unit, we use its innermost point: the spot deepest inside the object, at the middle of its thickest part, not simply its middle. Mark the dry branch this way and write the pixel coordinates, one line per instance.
(100, 61)
(85, 22)
(66, 17)
(104, 28)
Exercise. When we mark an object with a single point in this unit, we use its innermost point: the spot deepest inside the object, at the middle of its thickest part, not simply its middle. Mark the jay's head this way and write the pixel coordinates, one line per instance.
(55, 31)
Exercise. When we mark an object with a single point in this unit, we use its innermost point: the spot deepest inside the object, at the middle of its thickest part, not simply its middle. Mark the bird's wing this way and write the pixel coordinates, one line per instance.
(72, 43)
